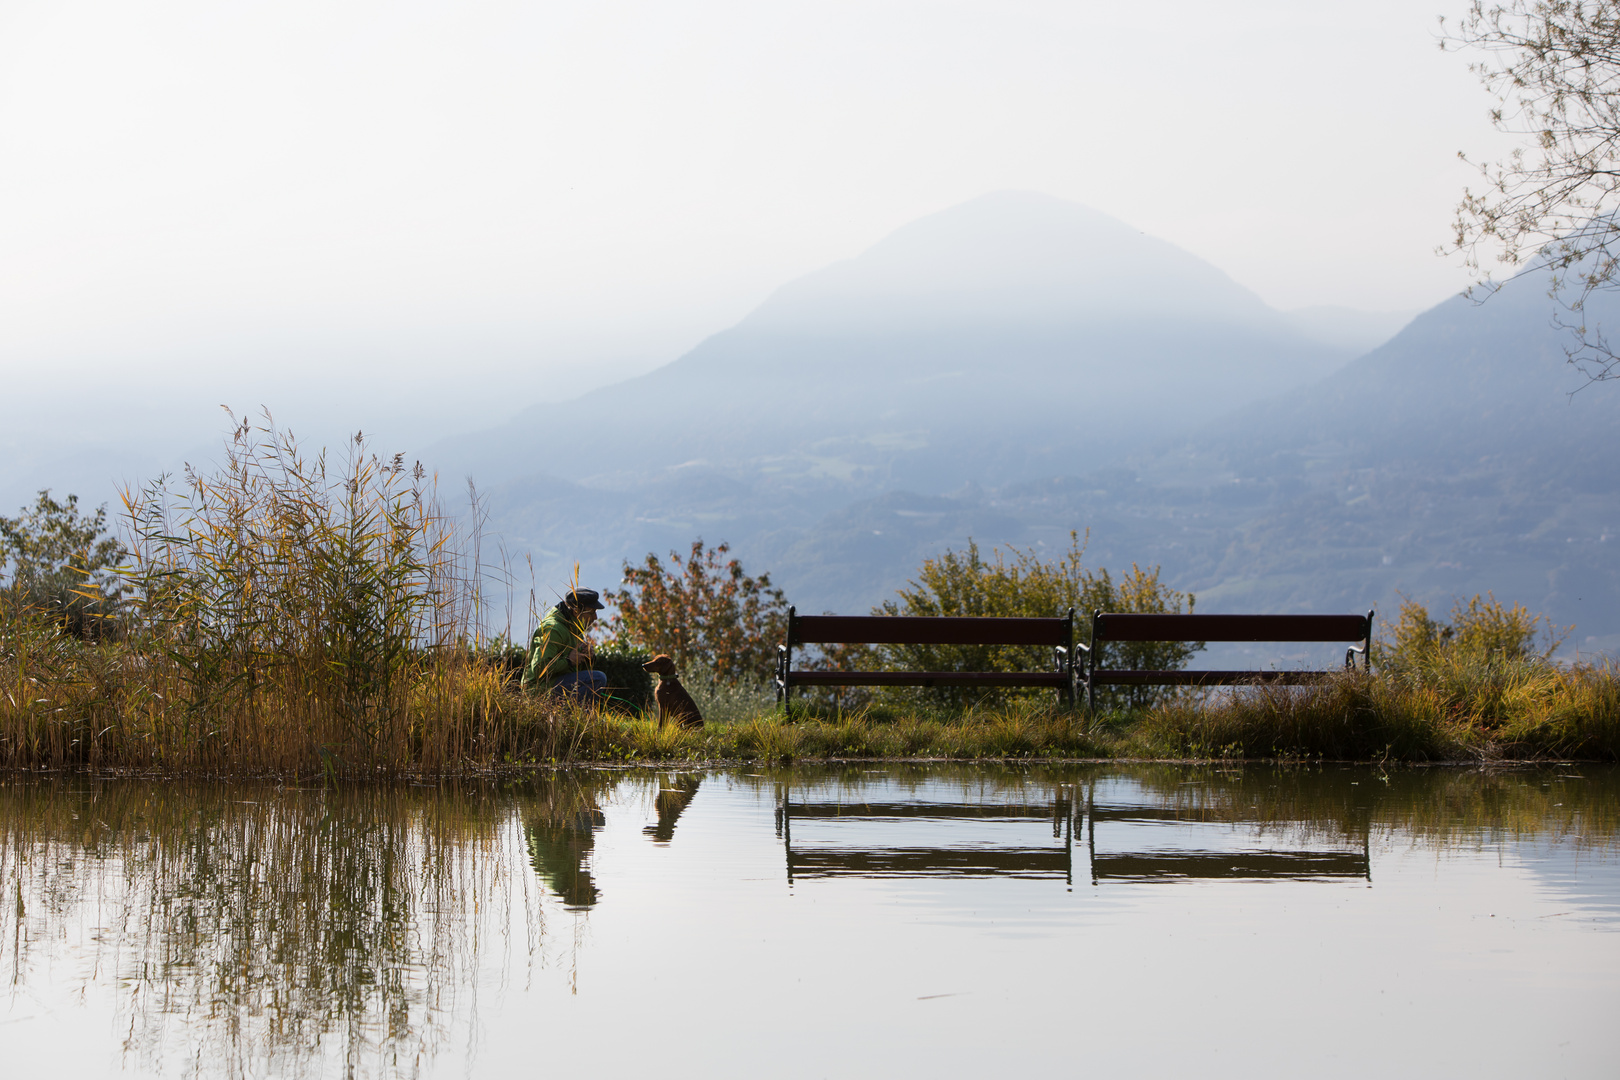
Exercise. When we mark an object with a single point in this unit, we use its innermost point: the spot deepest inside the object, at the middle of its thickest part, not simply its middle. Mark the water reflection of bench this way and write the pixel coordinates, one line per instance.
(978, 859)
(1161, 865)
(1070, 819)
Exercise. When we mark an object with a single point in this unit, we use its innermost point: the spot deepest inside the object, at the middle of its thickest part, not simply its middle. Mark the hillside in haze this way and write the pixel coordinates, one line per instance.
(1018, 367)
(911, 365)
(1011, 338)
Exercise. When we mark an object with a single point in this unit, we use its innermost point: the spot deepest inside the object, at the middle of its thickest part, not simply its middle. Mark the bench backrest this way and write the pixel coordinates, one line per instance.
(924, 630)
(1109, 626)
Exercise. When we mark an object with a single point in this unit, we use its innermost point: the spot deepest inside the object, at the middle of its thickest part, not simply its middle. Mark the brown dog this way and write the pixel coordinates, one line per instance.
(674, 703)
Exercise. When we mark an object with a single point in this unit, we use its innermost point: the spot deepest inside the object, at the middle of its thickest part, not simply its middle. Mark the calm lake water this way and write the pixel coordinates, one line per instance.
(859, 921)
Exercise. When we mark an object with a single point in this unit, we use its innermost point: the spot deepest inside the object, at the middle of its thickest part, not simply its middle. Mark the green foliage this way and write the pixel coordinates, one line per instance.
(723, 702)
(630, 686)
(704, 611)
(60, 562)
(1482, 630)
(1021, 583)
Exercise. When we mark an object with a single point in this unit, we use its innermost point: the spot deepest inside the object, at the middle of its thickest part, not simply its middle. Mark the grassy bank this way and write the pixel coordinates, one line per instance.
(70, 704)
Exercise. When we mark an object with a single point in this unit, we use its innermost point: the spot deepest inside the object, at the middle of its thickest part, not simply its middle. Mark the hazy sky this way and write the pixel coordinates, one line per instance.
(579, 190)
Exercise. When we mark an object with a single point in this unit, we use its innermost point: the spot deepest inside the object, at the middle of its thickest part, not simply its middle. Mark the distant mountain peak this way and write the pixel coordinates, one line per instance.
(1010, 257)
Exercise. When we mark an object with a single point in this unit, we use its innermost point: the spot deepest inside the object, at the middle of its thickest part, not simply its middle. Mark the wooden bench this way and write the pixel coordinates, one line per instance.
(1118, 627)
(928, 630)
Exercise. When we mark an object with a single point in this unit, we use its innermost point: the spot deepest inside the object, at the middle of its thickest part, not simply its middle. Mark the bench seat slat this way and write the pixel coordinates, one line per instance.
(1133, 627)
(929, 678)
(927, 630)
(1105, 677)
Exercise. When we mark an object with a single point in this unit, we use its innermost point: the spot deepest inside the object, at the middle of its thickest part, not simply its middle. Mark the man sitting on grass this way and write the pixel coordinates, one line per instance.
(560, 651)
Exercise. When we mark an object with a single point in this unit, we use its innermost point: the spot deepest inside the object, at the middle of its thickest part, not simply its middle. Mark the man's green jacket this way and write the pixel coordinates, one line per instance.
(557, 635)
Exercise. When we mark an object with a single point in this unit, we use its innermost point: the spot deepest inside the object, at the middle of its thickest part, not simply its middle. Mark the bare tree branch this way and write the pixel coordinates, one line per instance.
(1554, 68)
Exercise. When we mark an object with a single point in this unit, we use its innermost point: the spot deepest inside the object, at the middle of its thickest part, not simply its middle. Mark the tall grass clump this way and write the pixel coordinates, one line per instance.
(292, 611)
(1481, 686)
(1350, 716)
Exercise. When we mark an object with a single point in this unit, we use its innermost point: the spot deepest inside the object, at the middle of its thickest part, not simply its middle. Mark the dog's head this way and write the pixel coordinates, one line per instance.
(662, 666)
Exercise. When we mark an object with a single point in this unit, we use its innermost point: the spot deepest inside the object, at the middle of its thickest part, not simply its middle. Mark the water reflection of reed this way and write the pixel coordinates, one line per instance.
(280, 932)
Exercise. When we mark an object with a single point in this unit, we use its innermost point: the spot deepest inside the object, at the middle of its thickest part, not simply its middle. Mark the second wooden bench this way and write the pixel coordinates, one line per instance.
(1109, 627)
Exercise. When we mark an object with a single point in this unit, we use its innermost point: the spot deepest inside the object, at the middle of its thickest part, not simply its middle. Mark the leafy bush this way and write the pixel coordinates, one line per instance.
(704, 611)
(1481, 630)
(630, 685)
(728, 703)
(1021, 583)
(60, 563)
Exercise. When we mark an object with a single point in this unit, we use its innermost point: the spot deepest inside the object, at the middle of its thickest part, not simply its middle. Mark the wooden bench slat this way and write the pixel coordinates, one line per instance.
(867, 811)
(929, 678)
(1107, 677)
(1133, 627)
(1236, 864)
(927, 630)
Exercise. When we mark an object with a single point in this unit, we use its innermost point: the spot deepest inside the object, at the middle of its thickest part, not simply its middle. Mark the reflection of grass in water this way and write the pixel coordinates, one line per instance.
(284, 932)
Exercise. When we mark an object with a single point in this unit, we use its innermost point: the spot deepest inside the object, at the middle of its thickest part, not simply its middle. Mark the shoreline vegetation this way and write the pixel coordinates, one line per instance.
(289, 615)
(110, 710)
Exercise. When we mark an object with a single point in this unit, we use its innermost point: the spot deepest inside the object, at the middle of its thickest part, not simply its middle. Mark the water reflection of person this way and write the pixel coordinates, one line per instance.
(561, 838)
(671, 803)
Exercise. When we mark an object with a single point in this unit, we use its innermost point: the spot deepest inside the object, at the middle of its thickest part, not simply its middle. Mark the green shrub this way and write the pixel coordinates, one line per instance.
(1481, 630)
(1021, 583)
(630, 685)
(60, 564)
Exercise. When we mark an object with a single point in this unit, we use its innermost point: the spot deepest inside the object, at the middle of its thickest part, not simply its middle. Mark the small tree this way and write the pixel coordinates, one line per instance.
(1021, 583)
(59, 562)
(1482, 630)
(704, 611)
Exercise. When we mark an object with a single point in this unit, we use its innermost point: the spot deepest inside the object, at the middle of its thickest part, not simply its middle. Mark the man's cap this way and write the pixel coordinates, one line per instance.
(584, 600)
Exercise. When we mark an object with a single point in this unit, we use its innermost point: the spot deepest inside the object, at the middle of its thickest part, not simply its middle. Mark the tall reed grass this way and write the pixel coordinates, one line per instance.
(1455, 707)
(284, 612)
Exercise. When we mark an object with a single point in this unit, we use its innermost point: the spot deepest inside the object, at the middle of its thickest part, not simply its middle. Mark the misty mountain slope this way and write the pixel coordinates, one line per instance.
(1452, 460)
(1347, 328)
(1463, 456)
(856, 424)
(993, 340)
